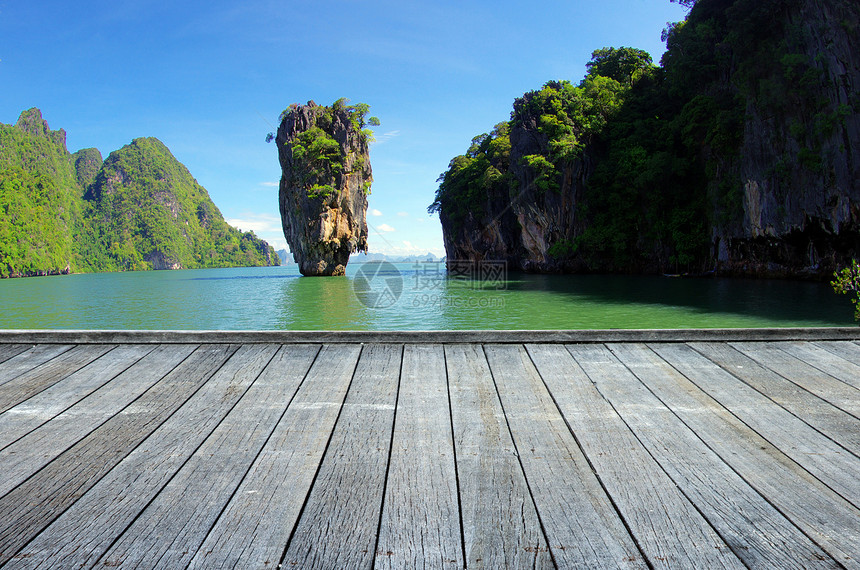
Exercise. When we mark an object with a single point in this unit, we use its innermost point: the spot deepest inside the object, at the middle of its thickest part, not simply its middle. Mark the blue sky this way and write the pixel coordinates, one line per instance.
(210, 78)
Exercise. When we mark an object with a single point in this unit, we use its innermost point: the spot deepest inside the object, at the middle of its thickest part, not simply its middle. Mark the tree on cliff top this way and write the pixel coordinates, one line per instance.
(318, 157)
(357, 114)
(623, 64)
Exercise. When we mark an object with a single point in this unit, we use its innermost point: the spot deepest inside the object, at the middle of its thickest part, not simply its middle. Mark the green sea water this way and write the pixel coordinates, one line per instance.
(408, 296)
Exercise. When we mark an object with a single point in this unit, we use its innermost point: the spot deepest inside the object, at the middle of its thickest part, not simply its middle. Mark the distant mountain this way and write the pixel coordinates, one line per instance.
(287, 257)
(138, 209)
(397, 258)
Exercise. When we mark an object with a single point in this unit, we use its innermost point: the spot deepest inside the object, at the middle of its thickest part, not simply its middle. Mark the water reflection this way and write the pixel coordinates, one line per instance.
(319, 303)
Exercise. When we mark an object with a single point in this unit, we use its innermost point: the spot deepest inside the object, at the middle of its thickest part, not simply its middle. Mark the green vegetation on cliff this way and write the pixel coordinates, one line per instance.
(644, 186)
(847, 281)
(36, 221)
(324, 153)
(470, 177)
(40, 199)
(318, 158)
(656, 160)
(148, 212)
(139, 209)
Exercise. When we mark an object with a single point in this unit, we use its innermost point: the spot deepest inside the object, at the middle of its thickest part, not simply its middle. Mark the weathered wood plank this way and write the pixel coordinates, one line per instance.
(667, 527)
(30, 414)
(818, 454)
(825, 386)
(29, 359)
(581, 525)
(7, 351)
(420, 524)
(846, 370)
(122, 473)
(848, 350)
(85, 531)
(255, 527)
(757, 532)
(820, 414)
(33, 504)
(501, 528)
(821, 514)
(38, 448)
(37, 379)
(194, 463)
(339, 522)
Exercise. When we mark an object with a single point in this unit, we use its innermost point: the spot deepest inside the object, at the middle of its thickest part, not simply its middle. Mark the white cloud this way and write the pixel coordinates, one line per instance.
(375, 212)
(385, 228)
(403, 214)
(258, 223)
(406, 248)
(269, 184)
(384, 137)
(266, 226)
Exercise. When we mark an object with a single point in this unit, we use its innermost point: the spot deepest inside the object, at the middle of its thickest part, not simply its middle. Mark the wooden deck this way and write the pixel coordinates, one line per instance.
(529, 451)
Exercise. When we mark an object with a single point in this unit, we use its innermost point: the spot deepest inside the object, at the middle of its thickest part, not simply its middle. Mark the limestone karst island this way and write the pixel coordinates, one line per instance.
(738, 155)
(140, 208)
(326, 177)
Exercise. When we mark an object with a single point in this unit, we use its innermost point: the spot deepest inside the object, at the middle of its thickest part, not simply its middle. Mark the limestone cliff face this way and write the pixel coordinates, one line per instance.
(748, 142)
(798, 166)
(520, 222)
(326, 176)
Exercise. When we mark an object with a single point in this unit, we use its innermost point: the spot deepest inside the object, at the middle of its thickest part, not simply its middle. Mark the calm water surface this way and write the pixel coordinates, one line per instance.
(407, 297)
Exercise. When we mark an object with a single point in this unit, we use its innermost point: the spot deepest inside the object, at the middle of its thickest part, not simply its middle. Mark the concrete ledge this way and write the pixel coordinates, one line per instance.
(473, 336)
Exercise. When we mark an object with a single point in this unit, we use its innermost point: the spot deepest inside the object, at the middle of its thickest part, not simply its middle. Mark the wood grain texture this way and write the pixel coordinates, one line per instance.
(582, 527)
(501, 528)
(848, 350)
(189, 468)
(819, 455)
(37, 379)
(425, 337)
(38, 448)
(845, 369)
(89, 526)
(829, 520)
(30, 414)
(825, 386)
(29, 359)
(756, 531)
(255, 527)
(75, 536)
(420, 525)
(429, 455)
(339, 522)
(667, 527)
(831, 421)
(37, 501)
(7, 351)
